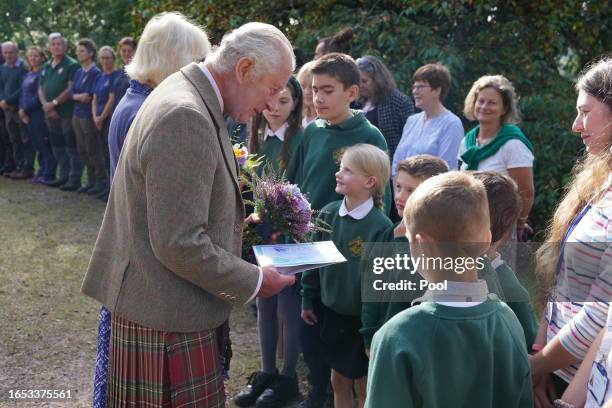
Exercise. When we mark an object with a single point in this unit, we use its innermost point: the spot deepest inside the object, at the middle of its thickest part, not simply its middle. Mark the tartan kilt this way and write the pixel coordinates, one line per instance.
(152, 368)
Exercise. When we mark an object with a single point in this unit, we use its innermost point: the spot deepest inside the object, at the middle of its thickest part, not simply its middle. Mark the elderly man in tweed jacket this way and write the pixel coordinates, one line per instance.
(167, 259)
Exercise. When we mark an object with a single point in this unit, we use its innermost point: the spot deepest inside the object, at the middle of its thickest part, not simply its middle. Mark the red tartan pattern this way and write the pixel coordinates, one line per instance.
(152, 368)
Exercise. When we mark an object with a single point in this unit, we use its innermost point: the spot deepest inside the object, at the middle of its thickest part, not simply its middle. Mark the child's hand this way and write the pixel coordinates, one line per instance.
(252, 219)
(309, 317)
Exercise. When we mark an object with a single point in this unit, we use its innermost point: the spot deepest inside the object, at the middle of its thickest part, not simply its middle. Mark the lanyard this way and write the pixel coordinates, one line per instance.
(567, 234)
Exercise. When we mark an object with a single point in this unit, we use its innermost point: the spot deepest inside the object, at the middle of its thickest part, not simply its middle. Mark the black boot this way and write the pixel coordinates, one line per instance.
(258, 382)
(100, 187)
(91, 181)
(283, 390)
(316, 399)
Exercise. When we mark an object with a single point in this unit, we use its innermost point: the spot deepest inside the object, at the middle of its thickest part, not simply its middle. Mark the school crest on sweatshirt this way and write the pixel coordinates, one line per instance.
(355, 246)
(338, 153)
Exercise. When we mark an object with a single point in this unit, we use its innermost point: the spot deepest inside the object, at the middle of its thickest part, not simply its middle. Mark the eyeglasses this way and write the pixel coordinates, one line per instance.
(419, 87)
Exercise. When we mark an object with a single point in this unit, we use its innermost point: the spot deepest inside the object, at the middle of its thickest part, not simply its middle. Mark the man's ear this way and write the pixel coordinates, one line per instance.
(244, 66)
(353, 93)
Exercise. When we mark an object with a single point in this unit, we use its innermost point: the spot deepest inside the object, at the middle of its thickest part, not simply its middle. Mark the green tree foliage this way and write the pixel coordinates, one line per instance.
(539, 45)
(30, 21)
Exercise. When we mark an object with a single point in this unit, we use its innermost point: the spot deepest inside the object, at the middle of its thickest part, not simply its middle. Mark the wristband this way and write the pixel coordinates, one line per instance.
(55, 102)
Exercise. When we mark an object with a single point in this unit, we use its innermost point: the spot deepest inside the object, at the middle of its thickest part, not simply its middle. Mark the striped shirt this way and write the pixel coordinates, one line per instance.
(578, 307)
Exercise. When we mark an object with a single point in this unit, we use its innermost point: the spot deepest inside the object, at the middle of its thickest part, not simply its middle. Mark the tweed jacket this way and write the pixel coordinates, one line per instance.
(168, 251)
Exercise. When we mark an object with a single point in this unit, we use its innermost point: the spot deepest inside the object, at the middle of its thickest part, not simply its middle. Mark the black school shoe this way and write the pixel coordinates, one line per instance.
(258, 382)
(283, 390)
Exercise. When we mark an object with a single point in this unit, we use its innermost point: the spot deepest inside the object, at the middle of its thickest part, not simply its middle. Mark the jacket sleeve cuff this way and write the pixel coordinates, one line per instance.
(259, 281)
(307, 303)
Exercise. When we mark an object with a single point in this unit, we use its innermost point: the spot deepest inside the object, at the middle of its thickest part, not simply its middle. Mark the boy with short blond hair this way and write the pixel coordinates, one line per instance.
(460, 346)
(410, 173)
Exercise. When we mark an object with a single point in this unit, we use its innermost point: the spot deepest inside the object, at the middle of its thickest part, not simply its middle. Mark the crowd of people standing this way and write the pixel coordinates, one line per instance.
(353, 142)
(57, 112)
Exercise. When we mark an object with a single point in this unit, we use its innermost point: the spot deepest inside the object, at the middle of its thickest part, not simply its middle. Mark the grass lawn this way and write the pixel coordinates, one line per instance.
(47, 327)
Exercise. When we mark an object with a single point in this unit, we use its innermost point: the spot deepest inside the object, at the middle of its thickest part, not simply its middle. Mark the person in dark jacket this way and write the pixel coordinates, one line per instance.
(383, 104)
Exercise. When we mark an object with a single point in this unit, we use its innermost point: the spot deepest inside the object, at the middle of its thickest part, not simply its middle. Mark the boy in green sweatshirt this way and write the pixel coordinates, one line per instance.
(504, 210)
(460, 346)
(317, 158)
(335, 86)
(410, 173)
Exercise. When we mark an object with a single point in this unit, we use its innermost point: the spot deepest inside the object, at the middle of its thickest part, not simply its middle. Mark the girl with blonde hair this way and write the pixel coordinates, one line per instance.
(354, 221)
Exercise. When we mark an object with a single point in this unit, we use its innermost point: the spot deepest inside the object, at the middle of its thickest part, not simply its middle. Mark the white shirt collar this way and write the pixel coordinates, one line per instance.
(497, 261)
(359, 212)
(458, 294)
(211, 79)
(280, 132)
(306, 122)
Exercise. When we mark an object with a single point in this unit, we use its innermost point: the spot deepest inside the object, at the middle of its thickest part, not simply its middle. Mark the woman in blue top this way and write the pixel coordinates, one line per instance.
(82, 121)
(102, 108)
(167, 43)
(31, 114)
(435, 130)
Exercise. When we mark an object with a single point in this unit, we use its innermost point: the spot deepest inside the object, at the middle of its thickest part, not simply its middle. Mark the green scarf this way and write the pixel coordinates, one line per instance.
(474, 154)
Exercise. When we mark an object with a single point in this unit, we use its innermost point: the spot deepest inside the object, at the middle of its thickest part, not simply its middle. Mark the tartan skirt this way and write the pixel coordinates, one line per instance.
(152, 368)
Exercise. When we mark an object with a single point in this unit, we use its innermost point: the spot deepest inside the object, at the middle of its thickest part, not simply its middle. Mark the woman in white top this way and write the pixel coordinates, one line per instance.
(496, 143)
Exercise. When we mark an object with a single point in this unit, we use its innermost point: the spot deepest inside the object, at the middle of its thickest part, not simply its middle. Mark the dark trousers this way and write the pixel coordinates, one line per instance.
(39, 133)
(63, 144)
(319, 373)
(89, 149)
(23, 151)
(102, 138)
(7, 161)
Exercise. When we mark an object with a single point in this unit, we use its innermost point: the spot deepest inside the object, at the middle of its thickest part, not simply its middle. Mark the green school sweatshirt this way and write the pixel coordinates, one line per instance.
(438, 356)
(339, 286)
(375, 314)
(271, 150)
(320, 151)
(518, 299)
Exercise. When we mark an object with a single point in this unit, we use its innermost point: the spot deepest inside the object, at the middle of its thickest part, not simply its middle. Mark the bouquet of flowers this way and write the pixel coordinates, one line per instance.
(278, 206)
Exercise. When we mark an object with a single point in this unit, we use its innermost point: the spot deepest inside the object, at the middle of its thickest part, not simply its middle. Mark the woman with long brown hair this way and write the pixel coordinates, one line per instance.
(577, 255)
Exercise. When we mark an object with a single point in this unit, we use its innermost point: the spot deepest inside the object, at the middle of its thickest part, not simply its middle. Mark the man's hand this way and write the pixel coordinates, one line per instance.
(309, 317)
(252, 219)
(48, 107)
(273, 282)
(24, 116)
(3, 104)
(98, 121)
(52, 114)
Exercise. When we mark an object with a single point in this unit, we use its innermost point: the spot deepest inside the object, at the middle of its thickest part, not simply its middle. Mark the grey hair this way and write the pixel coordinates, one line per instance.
(263, 43)
(108, 48)
(168, 42)
(53, 36)
(10, 44)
